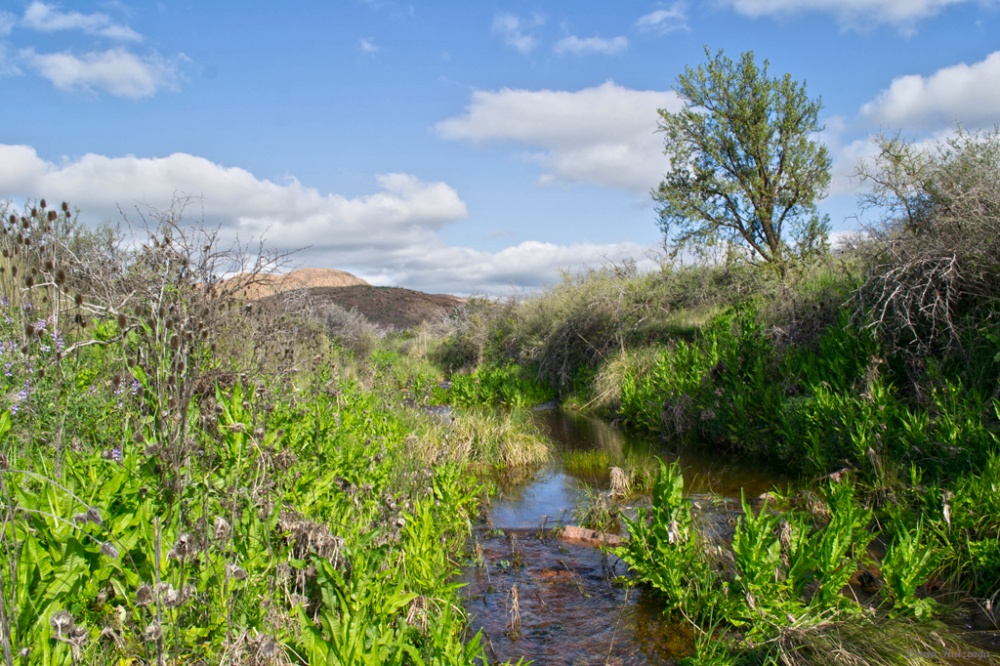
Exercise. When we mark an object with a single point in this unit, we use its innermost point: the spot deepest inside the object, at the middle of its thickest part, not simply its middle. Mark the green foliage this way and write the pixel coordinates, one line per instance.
(498, 386)
(664, 551)
(909, 561)
(744, 165)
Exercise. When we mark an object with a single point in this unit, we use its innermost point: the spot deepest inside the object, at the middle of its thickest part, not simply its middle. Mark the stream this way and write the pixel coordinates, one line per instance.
(554, 601)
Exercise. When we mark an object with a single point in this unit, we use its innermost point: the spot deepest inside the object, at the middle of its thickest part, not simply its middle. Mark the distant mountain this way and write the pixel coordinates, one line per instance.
(302, 278)
(389, 307)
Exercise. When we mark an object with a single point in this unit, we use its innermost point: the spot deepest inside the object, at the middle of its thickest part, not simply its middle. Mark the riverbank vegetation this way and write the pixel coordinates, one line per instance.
(872, 372)
(186, 477)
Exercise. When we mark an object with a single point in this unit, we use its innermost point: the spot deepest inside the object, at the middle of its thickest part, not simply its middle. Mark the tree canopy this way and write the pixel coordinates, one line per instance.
(745, 166)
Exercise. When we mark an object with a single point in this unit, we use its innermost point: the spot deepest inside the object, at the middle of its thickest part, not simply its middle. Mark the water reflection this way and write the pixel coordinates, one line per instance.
(552, 493)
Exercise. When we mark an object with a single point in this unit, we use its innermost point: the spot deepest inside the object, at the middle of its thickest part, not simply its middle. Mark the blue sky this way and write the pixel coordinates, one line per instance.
(461, 147)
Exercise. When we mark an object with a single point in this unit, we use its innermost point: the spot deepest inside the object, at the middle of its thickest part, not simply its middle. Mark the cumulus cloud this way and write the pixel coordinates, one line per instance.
(516, 32)
(960, 93)
(47, 18)
(574, 45)
(604, 135)
(115, 71)
(390, 236)
(854, 13)
(664, 21)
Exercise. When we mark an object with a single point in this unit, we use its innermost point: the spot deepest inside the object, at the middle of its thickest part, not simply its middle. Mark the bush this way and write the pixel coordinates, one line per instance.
(935, 255)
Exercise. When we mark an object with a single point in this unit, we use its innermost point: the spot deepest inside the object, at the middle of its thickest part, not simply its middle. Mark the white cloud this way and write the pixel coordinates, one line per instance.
(854, 13)
(516, 32)
(368, 46)
(116, 71)
(961, 93)
(388, 237)
(7, 22)
(604, 135)
(664, 21)
(47, 18)
(8, 65)
(581, 46)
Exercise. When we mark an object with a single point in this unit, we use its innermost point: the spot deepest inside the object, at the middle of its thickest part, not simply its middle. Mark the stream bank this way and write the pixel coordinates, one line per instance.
(537, 596)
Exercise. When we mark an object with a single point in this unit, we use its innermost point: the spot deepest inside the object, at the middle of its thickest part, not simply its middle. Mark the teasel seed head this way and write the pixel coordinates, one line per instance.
(29, 330)
(222, 529)
(52, 216)
(42, 204)
(60, 277)
(122, 321)
(65, 207)
(153, 632)
(236, 572)
(62, 622)
(49, 265)
(78, 299)
(144, 595)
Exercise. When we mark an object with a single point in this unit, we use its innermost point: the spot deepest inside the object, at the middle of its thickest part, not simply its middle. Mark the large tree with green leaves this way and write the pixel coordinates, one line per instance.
(745, 165)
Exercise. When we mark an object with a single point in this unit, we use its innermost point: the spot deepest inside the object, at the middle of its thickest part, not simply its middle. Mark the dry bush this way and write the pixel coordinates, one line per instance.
(349, 328)
(934, 258)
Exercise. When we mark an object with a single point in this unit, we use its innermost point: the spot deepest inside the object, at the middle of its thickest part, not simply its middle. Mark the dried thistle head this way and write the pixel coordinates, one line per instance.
(236, 572)
(153, 632)
(62, 622)
(183, 547)
(144, 596)
(222, 529)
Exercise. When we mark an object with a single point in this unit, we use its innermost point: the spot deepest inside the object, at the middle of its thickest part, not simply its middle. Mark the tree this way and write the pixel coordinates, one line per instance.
(745, 168)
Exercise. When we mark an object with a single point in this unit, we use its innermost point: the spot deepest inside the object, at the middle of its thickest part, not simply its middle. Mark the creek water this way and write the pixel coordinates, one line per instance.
(556, 602)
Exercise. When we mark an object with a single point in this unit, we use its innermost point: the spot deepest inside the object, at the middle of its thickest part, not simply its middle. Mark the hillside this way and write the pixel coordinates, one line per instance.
(393, 307)
(302, 278)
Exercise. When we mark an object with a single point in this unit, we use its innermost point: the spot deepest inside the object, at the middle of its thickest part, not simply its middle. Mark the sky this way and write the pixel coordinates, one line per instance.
(453, 147)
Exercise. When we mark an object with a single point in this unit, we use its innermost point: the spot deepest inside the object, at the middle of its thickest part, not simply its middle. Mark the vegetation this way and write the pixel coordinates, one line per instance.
(877, 367)
(745, 167)
(188, 478)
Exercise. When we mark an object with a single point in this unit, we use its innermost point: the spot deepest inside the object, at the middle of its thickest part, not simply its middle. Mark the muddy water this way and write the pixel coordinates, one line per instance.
(556, 602)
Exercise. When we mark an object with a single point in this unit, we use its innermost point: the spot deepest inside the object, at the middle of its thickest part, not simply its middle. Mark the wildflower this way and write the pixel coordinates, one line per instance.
(108, 549)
